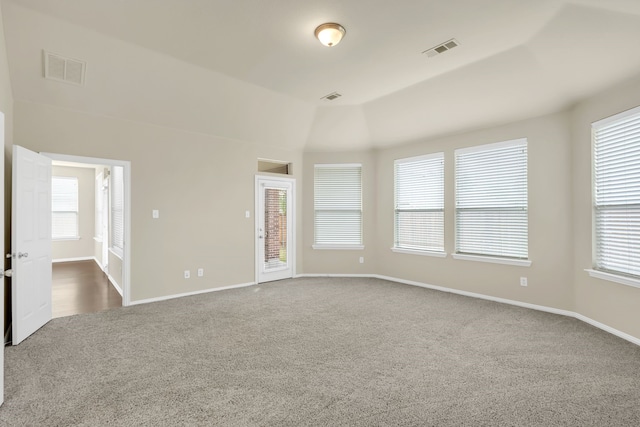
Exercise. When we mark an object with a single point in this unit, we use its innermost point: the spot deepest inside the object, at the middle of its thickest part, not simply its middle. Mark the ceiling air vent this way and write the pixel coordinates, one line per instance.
(441, 48)
(331, 96)
(63, 69)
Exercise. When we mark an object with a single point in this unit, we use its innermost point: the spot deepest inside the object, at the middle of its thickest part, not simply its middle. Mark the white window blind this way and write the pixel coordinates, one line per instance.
(338, 205)
(419, 203)
(117, 209)
(491, 200)
(64, 207)
(617, 193)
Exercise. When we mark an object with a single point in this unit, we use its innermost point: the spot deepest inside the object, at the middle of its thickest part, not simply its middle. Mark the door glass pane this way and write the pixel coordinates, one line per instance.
(275, 229)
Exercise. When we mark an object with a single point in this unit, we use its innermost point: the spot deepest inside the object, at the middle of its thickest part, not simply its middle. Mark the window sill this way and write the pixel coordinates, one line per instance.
(116, 252)
(339, 247)
(64, 239)
(623, 280)
(417, 252)
(494, 260)
(98, 239)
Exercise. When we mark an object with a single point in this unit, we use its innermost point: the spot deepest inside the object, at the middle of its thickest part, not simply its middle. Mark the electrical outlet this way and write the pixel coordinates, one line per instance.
(187, 274)
(523, 281)
(361, 260)
(200, 272)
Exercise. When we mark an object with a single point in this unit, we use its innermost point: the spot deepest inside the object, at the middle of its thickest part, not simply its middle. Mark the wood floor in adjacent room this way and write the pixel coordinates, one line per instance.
(81, 287)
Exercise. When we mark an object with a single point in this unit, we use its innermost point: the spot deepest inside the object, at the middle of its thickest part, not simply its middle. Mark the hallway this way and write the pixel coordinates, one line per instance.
(81, 287)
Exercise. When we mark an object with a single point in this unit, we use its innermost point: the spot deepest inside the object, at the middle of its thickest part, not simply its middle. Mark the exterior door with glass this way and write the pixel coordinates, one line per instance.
(275, 239)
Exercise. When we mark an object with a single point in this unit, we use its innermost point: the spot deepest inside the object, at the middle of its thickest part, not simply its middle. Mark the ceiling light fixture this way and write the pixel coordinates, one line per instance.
(330, 33)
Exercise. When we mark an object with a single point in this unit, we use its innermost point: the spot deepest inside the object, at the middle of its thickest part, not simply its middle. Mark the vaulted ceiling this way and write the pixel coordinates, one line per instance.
(251, 70)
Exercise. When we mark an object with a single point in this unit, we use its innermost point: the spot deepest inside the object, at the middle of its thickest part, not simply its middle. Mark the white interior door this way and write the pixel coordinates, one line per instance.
(275, 241)
(30, 243)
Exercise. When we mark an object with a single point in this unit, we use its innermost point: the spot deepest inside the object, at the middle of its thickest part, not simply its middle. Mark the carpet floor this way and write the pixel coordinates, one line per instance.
(322, 352)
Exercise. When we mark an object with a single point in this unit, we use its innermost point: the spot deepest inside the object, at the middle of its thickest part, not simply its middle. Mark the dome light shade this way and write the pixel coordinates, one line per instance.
(330, 33)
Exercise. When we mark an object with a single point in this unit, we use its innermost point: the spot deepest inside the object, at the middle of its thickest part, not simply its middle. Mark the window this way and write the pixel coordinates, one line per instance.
(338, 206)
(419, 203)
(491, 200)
(64, 207)
(117, 210)
(274, 166)
(616, 198)
(99, 208)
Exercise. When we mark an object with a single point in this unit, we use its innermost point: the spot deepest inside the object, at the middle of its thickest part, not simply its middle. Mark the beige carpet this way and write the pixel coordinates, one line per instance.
(318, 352)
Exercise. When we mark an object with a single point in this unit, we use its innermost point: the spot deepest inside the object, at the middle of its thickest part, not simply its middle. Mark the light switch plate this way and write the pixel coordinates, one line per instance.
(155, 214)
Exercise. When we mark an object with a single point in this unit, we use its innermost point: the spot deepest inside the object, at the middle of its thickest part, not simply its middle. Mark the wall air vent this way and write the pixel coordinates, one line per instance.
(331, 96)
(441, 48)
(63, 69)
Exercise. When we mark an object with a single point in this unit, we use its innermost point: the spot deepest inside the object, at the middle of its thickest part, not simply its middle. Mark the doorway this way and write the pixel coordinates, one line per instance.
(109, 262)
(275, 228)
(81, 233)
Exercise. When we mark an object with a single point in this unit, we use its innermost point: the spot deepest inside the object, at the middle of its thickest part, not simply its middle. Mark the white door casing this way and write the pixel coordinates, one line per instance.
(104, 195)
(2, 244)
(30, 243)
(105, 229)
(270, 267)
(126, 256)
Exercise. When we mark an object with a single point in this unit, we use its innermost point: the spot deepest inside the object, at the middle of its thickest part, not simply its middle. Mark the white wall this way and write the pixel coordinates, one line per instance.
(610, 303)
(322, 261)
(550, 238)
(202, 186)
(115, 269)
(84, 246)
(560, 222)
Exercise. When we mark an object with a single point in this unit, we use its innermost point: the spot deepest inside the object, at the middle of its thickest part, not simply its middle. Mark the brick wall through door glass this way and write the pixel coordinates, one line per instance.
(275, 227)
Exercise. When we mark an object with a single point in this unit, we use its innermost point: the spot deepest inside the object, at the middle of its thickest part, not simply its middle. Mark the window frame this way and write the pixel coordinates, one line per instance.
(431, 181)
(498, 258)
(76, 211)
(597, 271)
(337, 245)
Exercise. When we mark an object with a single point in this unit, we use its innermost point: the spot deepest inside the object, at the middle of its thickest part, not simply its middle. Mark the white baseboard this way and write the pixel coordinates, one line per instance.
(369, 276)
(98, 262)
(537, 307)
(607, 328)
(115, 285)
(83, 258)
(553, 310)
(481, 296)
(186, 294)
(111, 279)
